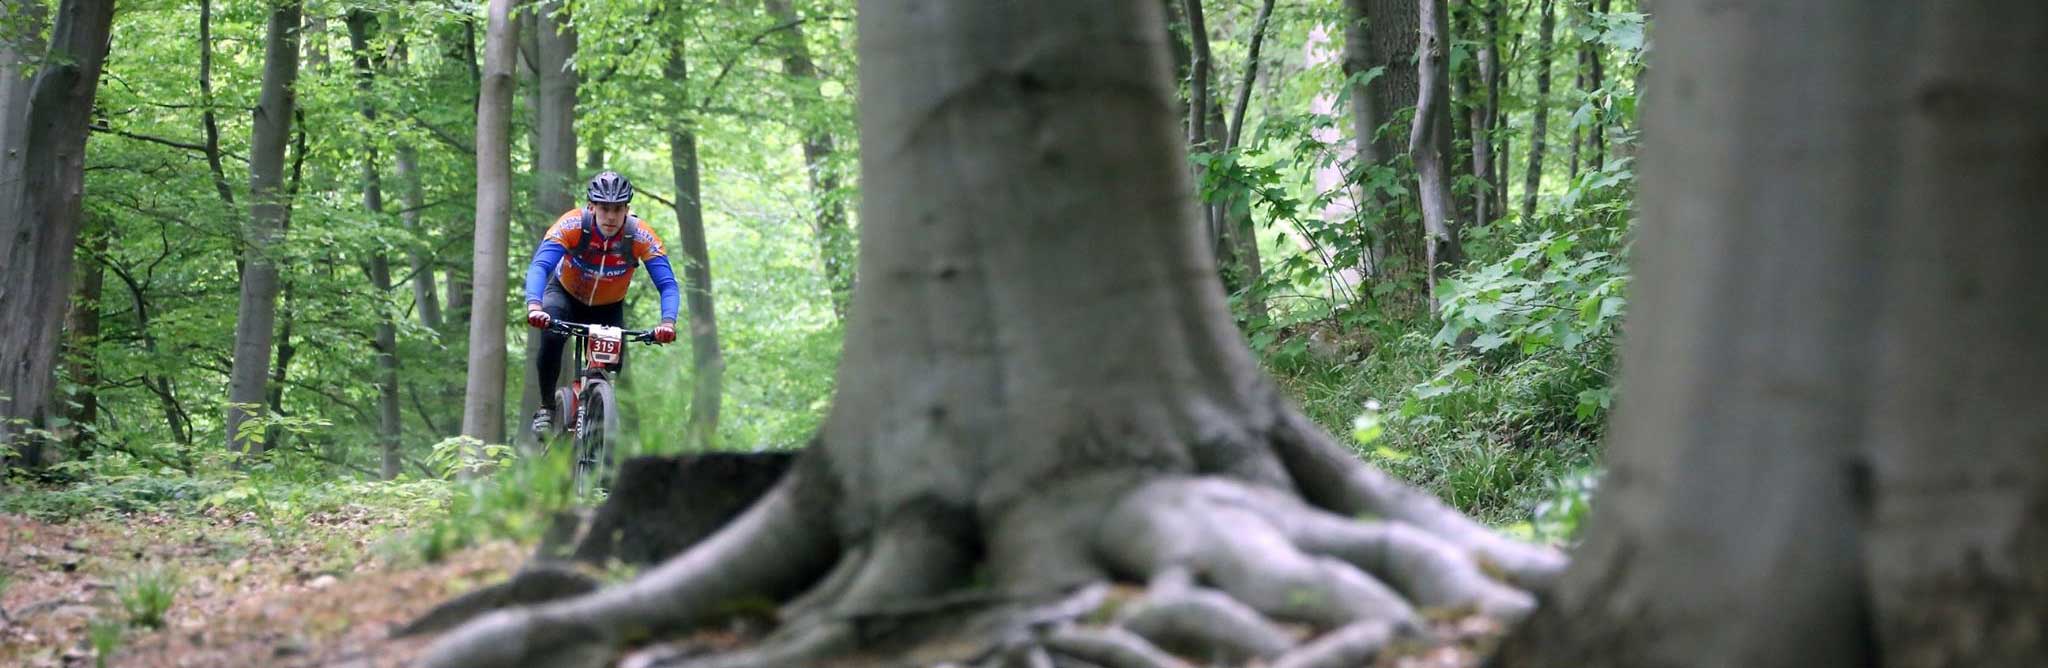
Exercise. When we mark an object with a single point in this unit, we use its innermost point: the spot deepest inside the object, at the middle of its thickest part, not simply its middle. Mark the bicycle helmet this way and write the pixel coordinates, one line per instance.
(610, 187)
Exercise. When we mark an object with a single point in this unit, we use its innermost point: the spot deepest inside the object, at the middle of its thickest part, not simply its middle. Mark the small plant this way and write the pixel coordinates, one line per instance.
(147, 594)
(106, 637)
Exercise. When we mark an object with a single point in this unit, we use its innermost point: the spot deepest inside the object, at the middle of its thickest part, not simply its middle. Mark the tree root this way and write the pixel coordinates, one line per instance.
(1331, 477)
(1205, 624)
(1353, 645)
(774, 549)
(1109, 648)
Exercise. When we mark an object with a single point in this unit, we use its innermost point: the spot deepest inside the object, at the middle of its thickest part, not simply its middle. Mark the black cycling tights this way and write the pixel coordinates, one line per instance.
(561, 306)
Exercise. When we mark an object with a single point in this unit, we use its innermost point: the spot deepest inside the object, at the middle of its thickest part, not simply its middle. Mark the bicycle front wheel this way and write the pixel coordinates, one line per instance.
(596, 436)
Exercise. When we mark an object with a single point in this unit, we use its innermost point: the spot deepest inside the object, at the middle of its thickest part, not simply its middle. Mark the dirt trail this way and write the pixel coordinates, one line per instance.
(247, 597)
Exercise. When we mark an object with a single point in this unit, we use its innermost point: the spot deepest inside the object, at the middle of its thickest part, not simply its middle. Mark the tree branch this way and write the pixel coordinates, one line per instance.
(159, 140)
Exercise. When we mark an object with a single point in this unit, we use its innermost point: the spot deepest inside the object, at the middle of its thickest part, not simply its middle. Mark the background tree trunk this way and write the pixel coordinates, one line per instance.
(17, 58)
(1485, 112)
(1539, 123)
(835, 238)
(1242, 229)
(389, 425)
(554, 149)
(483, 408)
(209, 121)
(82, 325)
(256, 318)
(426, 299)
(1830, 452)
(1596, 80)
(1200, 68)
(707, 363)
(39, 208)
(1429, 144)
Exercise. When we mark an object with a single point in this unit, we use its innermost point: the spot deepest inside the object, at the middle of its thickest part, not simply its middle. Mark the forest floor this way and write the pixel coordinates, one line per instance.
(244, 595)
(326, 593)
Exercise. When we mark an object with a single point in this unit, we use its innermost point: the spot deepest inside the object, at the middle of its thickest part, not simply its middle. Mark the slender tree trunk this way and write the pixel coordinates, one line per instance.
(1200, 67)
(256, 318)
(483, 410)
(1429, 144)
(1596, 78)
(82, 338)
(834, 238)
(389, 424)
(1841, 309)
(1485, 111)
(554, 146)
(707, 362)
(18, 53)
(425, 297)
(1244, 229)
(39, 207)
(209, 121)
(1539, 123)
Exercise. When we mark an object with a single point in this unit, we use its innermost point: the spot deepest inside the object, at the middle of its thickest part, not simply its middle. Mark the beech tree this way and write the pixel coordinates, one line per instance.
(1539, 123)
(256, 317)
(43, 126)
(1830, 453)
(835, 241)
(1042, 391)
(707, 361)
(483, 407)
(1429, 143)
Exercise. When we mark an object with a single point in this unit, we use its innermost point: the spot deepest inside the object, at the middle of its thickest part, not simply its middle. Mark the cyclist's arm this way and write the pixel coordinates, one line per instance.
(545, 259)
(664, 278)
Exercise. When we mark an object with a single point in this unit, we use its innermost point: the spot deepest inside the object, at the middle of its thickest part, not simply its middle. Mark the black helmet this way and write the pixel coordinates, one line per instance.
(609, 187)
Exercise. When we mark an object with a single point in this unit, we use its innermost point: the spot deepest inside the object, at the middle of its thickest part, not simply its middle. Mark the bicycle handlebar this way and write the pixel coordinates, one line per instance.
(581, 329)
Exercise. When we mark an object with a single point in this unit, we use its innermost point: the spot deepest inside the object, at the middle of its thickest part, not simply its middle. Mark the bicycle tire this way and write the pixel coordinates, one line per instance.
(596, 437)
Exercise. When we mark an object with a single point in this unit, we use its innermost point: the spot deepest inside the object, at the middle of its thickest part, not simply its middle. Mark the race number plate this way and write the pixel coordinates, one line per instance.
(604, 344)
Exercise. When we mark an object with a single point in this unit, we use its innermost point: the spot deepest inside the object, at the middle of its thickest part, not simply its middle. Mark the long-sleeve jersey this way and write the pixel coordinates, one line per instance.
(601, 272)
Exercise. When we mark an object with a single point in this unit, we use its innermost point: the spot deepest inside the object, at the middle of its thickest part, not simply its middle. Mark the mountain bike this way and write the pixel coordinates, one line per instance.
(588, 405)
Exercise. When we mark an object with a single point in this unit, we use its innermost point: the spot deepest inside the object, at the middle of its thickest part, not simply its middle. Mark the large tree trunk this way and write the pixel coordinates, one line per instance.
(256, 318)
(1830, 453)
(1539, 123)
(483, 406)
(1042, 390)
(42, 178)
(1429, 143)
(707, 363)
(389, 426)
(835, 240)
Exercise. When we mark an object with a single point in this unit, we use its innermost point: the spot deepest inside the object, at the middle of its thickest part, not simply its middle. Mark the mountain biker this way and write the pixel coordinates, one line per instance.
(602, 243)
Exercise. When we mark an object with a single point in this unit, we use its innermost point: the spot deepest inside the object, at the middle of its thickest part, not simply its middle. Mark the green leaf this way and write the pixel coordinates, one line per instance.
(1489, 341)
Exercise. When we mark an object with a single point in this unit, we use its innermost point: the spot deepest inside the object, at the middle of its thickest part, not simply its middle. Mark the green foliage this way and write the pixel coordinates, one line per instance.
(146, 594)
(105, 636)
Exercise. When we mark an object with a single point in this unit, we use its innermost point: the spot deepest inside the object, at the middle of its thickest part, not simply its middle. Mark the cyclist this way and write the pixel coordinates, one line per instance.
(602, 243)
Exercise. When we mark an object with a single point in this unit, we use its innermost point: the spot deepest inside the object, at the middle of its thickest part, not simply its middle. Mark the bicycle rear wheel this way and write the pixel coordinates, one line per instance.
(596, 434)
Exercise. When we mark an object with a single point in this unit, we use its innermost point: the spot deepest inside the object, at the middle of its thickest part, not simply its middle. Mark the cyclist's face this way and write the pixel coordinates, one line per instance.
(610, 217)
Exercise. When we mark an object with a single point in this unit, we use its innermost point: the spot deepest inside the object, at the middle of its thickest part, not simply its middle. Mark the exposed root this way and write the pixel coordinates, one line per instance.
(771, 551)
(806, 646)
(1333, 478)
(1205, 624)
(1348, 647)
(1202, 525)
(1109, 648)
(535, 584)
(1429, 570)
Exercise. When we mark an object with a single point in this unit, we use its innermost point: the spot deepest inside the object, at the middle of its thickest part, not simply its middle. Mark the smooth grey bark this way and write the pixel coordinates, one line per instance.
(1200, 69)
(1429, 144)
(483, 406)
(1596, 80)
(707, 362)
(1830, 450)
(389, 425)
(41, 184)
(835, 239)
(1539, 122)
(19, 51)
(256, 317)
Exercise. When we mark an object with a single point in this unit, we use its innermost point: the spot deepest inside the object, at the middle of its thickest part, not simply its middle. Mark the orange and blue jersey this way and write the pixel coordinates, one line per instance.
(600, 272)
